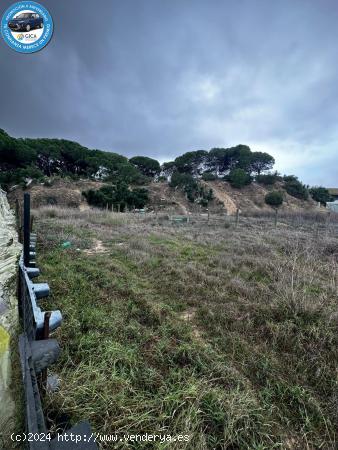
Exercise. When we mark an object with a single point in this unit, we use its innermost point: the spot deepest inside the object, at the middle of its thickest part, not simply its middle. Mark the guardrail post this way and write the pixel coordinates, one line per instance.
(45, 336)
(26, 229)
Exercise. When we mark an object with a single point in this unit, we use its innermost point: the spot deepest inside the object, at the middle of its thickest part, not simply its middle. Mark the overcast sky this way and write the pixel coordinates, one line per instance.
(162, 77)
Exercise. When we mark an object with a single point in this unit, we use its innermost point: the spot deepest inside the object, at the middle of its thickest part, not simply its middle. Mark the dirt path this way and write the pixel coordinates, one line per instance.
(98, 247)
(188, 316)
(223, 197)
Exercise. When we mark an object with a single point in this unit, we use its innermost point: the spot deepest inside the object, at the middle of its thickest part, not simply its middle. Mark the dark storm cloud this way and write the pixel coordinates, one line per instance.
(161, 77)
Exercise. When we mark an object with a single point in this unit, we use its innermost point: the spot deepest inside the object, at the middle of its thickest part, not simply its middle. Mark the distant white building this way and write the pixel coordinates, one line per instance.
(333, 206)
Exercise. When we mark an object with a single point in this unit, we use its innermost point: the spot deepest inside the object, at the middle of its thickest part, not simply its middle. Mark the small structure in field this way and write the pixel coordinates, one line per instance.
(333, 206)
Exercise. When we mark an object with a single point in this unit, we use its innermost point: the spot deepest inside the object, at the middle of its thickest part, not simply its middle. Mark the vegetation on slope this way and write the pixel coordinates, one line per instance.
(35, 158)
(274, 199)
(227, 335)
(23, 159)
(119, 194)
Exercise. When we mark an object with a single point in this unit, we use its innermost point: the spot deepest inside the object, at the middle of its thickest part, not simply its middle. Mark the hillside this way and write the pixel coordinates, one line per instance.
(61, 192)
(226, 198)
(250, 198)
(68, 193)
(65, 173)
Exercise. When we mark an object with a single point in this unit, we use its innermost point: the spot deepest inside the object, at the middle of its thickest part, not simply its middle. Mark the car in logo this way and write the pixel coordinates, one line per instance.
(26, 21)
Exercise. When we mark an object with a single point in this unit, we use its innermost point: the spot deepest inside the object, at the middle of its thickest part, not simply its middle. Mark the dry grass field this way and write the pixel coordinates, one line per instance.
(228, 335)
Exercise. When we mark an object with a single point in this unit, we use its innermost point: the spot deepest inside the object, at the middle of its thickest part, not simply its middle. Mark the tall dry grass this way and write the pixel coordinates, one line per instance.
(226, 333)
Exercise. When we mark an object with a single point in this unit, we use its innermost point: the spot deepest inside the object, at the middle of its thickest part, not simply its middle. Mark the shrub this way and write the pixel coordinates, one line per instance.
(186, 182)
(19, 176)
(274, 199)
(268, 179)
(182, 180)
(209, 176)
(117, 194)
(192, 188)
(320, 194)
(239, 178)
(295, 188)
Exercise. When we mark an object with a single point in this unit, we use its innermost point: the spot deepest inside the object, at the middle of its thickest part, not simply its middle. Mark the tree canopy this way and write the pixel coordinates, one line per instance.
(63, 157)
(147, 166)
(261, 162)
(220, 162)
(274, 199)
(48, 157)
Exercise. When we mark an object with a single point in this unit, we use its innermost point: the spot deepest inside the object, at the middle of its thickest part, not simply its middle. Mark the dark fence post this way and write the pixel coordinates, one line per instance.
(26, 229)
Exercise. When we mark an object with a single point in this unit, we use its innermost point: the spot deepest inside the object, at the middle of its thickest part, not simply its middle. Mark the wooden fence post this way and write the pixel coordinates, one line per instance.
(276, 217)
(237, 217)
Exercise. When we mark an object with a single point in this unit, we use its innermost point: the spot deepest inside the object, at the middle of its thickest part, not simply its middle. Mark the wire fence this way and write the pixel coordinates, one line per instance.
(318, 222)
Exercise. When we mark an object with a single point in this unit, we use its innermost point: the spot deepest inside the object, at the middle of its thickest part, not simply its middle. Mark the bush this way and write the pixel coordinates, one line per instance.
(295, 188)
(194, 191)
(203, 202)
(186, 182)
(182, 180)
(209, 176)
(117, 194)
(239, 178)
(320, 194)
(274, 199)
(19, 176)
(268, 179)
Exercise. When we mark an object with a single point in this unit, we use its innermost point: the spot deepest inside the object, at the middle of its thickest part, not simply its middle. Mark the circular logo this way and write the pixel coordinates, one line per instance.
(27, 27)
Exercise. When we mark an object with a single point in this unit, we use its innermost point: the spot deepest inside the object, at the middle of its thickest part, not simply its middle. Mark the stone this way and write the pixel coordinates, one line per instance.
(9, 254)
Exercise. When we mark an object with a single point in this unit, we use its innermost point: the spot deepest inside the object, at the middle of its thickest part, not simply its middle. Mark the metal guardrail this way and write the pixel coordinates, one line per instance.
(32, 316)
(38, 351)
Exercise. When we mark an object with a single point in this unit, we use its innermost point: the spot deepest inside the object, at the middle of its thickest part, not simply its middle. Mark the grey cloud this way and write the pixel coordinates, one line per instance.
(161, 77)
